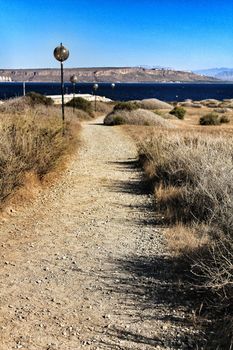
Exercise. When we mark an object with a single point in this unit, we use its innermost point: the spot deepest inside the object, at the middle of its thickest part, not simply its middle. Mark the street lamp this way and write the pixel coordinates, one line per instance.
(24, 88)
(73, 80)
(95, 88)
(61, 54)
(113, 86)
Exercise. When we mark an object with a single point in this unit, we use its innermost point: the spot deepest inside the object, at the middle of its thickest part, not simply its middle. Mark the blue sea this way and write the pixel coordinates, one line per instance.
(128, 91)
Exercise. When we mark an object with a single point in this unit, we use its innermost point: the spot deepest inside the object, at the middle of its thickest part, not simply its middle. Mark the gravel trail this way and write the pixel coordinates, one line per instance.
(85, 266)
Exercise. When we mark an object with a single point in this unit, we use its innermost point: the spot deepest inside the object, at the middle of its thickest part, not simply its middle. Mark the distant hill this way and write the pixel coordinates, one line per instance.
(219, 73)
(110, 74)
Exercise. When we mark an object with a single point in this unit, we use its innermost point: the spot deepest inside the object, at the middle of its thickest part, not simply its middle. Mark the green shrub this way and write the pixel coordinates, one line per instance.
(35, 98)
(118, 120)
(178, 112)
(210, 119)
(126, 106)
(80, 103)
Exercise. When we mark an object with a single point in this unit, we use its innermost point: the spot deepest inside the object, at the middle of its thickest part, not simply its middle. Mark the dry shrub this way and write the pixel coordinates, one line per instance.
(212, 103)
(136, 117)
(225, 119)
(32, 143)
(102, 107)
(193, 178)
(77, 113)
(210, 119)
(190, 105)
(15, 105)
(214, 119)
(25, 103)
(222, 110)
(182, 238)
(154, 103)
(168, 200)
(227, 104)
(166, 115)
(200, 165)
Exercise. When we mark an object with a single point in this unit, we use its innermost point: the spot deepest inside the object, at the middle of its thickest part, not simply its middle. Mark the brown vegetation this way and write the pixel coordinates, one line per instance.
(191, 171)
(102, 108)
(31, 142)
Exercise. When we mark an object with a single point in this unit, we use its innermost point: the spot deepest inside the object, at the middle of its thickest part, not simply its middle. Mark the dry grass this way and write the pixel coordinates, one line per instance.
(182, 238)
(103, 107)
(77, 113)
(31, 143)
(192, 172)
(194, 114)
(15, 106)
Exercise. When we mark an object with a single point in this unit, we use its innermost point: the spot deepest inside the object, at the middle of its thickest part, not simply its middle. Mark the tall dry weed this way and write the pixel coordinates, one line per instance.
(199, 166)
(32, 141)
(193, 177)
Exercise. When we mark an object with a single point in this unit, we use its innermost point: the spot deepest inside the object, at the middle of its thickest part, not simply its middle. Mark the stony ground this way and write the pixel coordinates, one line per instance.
(86, 267)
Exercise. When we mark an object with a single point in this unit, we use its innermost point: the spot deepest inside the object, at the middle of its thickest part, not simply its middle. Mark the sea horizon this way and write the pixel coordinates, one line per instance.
(166, 91)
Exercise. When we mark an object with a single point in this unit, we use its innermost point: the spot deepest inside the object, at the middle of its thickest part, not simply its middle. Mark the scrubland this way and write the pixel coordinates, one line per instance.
(188, 166)
(32, 143)
(190, 169)
(188, 162)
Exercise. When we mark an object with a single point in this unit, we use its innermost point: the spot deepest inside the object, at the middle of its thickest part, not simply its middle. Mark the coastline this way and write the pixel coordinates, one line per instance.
(68, 97)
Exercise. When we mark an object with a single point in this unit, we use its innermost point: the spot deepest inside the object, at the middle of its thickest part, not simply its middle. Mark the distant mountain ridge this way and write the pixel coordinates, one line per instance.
(225, 74)
(105, 74)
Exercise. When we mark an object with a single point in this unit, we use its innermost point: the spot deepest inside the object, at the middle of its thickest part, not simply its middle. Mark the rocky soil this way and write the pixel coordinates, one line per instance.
(86, 266)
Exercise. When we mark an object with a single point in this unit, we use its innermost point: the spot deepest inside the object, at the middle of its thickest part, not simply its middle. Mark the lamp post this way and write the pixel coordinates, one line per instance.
(61, 54)
(73, 80)
(24, 88)
(95, 88)
(113, 86)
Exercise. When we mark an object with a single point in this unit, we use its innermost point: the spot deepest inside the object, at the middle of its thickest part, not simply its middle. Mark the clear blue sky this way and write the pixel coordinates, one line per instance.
(180, 34)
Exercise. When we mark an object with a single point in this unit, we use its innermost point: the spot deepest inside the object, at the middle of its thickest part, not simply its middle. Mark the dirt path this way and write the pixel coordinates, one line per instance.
(85, 266)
